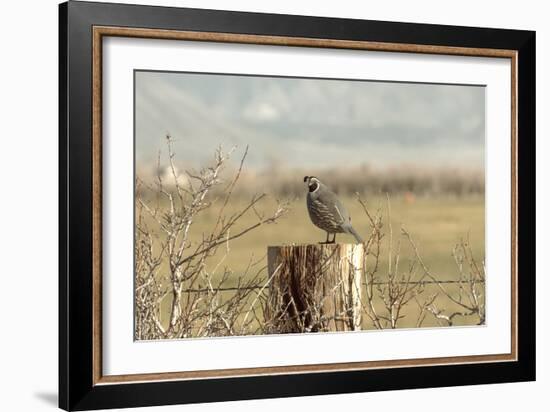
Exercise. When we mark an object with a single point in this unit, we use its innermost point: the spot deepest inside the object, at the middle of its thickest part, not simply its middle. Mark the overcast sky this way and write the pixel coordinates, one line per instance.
(310, 122)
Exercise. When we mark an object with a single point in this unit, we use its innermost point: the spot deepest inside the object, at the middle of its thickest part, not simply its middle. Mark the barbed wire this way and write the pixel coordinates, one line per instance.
(259, 286)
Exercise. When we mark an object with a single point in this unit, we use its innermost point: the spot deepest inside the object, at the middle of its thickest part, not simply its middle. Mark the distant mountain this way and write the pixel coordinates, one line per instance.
(309, 123)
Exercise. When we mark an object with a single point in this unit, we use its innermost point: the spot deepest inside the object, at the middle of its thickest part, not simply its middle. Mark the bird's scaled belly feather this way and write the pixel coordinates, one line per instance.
(322, 217)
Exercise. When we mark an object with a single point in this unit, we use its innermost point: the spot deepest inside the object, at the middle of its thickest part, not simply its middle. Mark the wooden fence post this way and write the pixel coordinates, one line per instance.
(314, 287)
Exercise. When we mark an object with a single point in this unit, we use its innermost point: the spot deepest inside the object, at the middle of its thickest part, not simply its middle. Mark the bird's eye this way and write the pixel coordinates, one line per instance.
(313, 187)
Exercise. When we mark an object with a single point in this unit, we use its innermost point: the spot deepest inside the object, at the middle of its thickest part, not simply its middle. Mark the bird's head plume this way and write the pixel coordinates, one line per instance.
(312, 183)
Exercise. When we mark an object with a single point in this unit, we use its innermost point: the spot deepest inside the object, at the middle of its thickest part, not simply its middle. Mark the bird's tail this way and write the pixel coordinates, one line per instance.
(353, 232)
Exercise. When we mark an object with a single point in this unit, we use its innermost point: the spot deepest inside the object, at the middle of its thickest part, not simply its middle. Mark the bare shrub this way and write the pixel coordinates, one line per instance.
(469, 299)
(169, 265)
(388, 292)
(184, 289)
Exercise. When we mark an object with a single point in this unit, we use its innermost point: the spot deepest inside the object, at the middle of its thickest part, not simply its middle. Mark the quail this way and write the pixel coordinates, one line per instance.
(326, 211)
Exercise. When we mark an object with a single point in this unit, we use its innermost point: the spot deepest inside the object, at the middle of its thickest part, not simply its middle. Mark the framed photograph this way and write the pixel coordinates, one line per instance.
(256, 205)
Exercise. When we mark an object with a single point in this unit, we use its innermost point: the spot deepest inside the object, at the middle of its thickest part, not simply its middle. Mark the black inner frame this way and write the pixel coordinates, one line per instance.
(76, 388)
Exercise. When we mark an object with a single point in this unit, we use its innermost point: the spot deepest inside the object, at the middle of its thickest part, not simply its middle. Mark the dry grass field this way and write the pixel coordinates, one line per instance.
(436, 223)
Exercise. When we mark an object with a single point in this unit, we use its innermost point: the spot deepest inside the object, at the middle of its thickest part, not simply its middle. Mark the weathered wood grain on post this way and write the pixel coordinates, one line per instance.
(315, 287)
